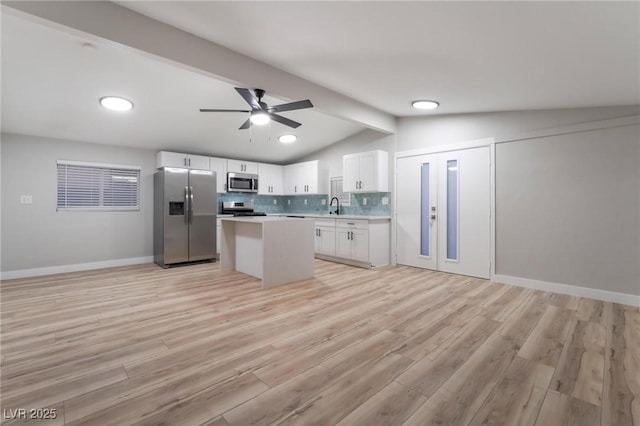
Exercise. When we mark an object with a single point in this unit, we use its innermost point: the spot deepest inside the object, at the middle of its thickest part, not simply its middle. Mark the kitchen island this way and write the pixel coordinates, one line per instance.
(278, 250)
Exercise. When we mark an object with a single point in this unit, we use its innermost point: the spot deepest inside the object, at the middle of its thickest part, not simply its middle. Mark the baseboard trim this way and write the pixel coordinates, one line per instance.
(49, 270)
(571, 290)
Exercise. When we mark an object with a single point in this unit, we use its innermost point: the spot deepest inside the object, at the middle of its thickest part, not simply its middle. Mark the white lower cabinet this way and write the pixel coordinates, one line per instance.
(352, 239)
(362, 242)
(325, 240)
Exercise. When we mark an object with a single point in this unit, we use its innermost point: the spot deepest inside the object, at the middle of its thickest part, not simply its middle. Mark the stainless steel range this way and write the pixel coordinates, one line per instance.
(240, 208)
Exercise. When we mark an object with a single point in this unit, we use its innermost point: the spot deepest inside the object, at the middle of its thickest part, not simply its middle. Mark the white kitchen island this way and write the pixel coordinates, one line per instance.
(278, 250)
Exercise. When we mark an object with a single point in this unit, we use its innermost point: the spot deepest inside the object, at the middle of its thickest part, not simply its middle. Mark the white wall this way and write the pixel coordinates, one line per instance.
(568, 205)
(366, 140)
(37, 236)
(568, 209)
(420, 132)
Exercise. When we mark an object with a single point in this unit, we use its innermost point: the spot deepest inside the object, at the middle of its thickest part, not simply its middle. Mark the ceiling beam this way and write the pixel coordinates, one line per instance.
(116, 23)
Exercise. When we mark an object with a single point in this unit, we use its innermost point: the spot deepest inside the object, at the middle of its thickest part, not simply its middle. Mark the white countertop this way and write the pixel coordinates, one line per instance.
(340, 216)
(315, 215)
(260, 219)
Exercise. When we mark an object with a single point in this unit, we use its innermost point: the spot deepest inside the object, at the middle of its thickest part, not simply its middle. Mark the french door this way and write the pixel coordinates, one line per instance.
(443, 211)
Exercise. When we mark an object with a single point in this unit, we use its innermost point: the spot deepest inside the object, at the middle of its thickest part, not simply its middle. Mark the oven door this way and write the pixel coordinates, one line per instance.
(242, 182)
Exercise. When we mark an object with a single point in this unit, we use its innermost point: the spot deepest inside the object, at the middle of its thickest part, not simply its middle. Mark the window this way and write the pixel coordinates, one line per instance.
(425, 214)
(336, 191)
(97, 186)
(452, 210)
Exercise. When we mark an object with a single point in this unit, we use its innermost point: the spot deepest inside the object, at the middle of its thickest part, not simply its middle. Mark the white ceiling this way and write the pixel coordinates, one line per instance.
(469, 56)
(51, 86)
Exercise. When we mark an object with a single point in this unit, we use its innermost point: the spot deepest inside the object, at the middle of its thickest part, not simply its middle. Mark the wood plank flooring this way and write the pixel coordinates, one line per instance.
(394, 346)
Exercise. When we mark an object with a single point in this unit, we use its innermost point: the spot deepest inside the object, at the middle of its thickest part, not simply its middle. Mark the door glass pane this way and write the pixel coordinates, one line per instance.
(424, 210)
(452, 209)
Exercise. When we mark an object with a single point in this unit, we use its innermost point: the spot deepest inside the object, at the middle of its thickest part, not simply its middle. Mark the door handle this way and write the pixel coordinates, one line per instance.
(190, 204)
(186, 202)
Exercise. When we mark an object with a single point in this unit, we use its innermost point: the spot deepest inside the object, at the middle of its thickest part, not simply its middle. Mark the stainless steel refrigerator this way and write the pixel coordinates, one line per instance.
(185, 209)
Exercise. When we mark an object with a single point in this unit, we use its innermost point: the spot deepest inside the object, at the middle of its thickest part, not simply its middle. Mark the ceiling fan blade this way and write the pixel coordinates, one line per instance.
(245, 125)
(285, 121)
(291, 106)
(223, 110)
(248, 96)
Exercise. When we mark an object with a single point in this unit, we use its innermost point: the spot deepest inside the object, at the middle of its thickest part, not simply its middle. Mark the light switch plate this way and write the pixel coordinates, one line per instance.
(385, 200)
(323, 202)
(364, 201)
(26, 199)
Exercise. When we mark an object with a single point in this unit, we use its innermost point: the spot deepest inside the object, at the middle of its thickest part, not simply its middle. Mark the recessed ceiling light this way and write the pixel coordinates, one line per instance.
(260, 118)
(287, 138)
(425, 104)
(116, 103)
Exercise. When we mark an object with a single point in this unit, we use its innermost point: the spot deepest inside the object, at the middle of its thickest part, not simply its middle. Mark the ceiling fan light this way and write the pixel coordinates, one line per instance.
(287, 138)
(260, 118)
(424, 104)
(116, 103)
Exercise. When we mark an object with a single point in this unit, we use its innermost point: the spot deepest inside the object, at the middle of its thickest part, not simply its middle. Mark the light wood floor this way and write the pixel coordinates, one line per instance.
(397, 346)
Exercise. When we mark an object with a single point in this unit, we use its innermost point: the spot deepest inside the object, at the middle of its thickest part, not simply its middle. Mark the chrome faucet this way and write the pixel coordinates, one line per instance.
(337, 205)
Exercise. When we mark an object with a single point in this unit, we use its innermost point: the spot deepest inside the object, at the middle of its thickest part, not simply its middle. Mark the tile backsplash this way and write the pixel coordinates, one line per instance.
(365, 204)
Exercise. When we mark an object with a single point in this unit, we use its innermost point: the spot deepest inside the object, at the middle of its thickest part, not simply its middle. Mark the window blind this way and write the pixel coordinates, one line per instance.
(96, 186)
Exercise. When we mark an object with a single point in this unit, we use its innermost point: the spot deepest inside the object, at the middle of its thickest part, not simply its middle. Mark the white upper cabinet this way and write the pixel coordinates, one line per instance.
(301, 178)
(242, 166)
(366, 172)
(270, 179)
(219, 165)
(185, 161)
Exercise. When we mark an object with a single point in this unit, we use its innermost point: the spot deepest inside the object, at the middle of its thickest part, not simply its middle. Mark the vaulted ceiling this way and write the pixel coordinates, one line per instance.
(361, 64)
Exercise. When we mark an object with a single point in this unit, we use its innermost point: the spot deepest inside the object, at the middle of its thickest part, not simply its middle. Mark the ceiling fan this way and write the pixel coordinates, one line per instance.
(261, 113)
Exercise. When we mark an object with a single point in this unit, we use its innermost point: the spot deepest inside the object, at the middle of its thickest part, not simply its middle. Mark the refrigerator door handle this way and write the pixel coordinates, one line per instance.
(191, 205)
(186, 205)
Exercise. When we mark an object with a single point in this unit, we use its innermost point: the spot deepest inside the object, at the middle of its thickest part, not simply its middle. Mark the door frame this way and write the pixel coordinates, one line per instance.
(475, 143)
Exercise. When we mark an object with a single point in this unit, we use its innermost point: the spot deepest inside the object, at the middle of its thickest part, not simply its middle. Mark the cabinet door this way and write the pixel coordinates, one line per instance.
(343, 243)
(198, 162)
(171, 159)
(289, 178)
(239, 166)
(350, 172)
(368, 171)
(264, 179)
(360, 245)
(327, 241)
(308, 177)
(219, 165)
(277, 179)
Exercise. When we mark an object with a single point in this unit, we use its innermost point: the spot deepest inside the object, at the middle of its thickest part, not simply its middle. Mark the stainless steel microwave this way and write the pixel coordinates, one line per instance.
(242, 182)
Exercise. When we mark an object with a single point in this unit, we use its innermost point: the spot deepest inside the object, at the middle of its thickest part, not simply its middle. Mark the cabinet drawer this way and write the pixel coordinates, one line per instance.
(352, 223)
(326, 222)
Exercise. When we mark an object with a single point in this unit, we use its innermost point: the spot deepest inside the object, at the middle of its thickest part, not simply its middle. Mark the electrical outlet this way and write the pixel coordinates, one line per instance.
(289, 202)
(364, 201)
(323, 202)
(26, 199)
(385, 200)
(305, 201)
(275, 201)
